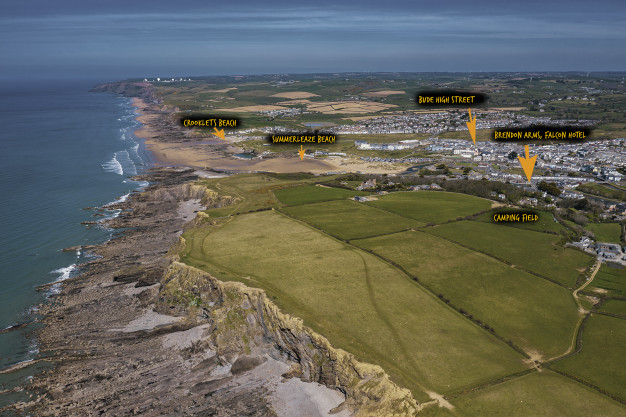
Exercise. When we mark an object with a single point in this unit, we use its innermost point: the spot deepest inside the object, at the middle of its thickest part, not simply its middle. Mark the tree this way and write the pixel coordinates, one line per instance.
(550, 188)
(467, 170)
(583, 204)
(512, 155)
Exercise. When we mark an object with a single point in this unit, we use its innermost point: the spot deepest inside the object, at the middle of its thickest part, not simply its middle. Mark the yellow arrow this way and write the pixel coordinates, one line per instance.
(528, 164)
(471, 125)
(219, 133)
(301, 152)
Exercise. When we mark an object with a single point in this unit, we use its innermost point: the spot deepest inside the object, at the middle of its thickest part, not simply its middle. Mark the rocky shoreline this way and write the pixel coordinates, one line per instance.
(138, 333)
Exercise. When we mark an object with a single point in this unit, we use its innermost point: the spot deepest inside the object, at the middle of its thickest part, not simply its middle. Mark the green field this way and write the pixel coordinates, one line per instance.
(360, 303)
(545, 223)
(252, 191)
(606, 232)
(535, 314)
(431, 206)
(313, 194)
(602, 357)
(614, 307)
(349, 219)
(603, 191)
(544, 394)
(533, 251)
(610, 280)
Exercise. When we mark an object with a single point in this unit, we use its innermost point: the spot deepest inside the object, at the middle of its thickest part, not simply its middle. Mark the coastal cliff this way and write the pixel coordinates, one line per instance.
(244, 321)
(139, 333)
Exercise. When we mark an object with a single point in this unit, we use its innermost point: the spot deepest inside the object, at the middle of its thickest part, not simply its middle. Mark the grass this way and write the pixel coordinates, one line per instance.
(358, 302)
(545, 223)
(349, 219)
(614, 307)
(544, 394)
(606, 232)
(601, 359)
(603, 191)
(535, 314)
(431, 206)
(313, 194)
(253, 191)
(537, 252)
(610, 280)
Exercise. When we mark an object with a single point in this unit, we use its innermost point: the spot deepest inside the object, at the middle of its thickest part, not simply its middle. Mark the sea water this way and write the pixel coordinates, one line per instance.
(63, 149)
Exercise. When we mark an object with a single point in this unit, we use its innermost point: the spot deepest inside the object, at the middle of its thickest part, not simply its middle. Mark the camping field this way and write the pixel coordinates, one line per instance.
(546, 222)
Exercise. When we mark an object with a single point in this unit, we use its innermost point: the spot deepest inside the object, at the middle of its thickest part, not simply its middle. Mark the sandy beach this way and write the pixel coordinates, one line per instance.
(209, 154)
(170, 145)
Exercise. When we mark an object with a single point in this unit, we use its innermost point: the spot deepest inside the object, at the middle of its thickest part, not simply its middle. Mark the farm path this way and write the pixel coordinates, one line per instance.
(582, 313)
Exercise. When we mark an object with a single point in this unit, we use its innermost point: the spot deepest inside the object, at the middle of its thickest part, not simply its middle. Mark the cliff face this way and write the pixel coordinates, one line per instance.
(243, 321)
(191, 191)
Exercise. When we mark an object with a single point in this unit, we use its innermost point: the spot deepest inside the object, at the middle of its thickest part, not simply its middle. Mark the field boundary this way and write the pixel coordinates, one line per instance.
(489, 384)
(504, 261)
(590, 385)
(614, 315)
(430, 223)
(446, 301)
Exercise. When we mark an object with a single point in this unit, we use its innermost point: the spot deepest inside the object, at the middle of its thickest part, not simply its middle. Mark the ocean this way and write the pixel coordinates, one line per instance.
(63, 149)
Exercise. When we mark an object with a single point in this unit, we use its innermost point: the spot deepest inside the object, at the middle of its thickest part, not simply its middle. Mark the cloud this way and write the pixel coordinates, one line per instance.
(314, 21)
(326, 37)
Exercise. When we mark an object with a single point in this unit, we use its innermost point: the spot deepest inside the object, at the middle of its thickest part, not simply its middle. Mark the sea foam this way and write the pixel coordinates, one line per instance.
(113, 166)
(64, 273)
(128, 166)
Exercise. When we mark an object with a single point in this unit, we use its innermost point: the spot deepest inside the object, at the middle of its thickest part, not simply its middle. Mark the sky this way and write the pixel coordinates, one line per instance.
(120, 39)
